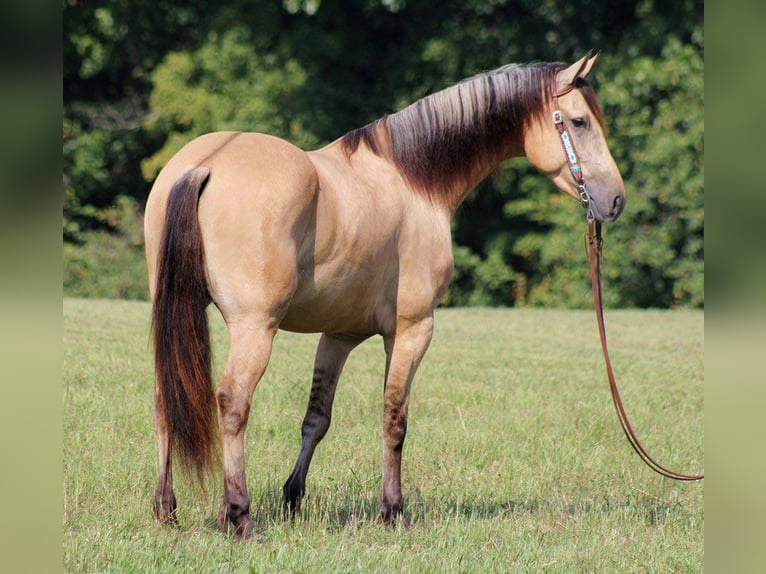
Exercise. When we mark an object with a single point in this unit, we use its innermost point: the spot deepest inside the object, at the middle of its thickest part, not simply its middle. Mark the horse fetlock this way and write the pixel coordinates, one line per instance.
(165, 508)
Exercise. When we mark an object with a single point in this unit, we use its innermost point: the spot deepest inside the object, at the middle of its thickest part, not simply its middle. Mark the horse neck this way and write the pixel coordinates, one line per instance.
(446, 144)
(456, 194)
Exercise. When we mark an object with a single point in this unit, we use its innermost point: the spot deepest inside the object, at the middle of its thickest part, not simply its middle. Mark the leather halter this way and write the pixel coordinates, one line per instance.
(595, 256)
(568, 145)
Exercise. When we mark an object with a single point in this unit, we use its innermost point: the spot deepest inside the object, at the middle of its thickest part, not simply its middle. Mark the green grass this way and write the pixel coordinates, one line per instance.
(514, 459)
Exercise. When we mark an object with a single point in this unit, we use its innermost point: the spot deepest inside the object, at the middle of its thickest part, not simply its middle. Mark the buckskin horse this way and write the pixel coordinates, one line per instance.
(351, 240)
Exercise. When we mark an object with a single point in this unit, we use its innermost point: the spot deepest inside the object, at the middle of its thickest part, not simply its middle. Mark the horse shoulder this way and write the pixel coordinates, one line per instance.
(426, 260)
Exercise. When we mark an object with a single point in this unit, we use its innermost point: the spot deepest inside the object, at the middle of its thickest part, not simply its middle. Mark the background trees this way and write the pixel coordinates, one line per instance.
(142, 78)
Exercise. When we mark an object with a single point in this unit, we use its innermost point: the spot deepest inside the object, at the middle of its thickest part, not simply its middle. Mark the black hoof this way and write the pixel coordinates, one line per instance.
(293, 492)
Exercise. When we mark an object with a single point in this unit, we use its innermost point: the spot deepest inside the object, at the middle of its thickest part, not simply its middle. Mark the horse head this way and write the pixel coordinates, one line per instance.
(581, 122)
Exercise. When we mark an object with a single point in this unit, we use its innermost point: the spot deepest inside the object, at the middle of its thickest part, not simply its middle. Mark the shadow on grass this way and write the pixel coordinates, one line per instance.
(351, 509)
(355, 509)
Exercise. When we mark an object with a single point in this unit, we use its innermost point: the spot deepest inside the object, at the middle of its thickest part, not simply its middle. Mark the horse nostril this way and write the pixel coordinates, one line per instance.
(617, 206)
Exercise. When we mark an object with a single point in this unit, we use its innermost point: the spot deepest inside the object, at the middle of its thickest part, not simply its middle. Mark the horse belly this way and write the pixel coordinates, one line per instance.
(352, 299)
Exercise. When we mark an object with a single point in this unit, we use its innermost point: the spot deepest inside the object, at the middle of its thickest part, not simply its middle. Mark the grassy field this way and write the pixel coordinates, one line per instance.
(514, 459)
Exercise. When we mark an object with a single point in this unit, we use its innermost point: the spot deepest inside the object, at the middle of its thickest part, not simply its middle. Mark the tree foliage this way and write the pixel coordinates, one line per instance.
(142, 78)
(223, 85)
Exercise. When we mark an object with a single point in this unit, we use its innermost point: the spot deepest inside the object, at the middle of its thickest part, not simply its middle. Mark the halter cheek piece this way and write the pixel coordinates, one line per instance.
(569, 150)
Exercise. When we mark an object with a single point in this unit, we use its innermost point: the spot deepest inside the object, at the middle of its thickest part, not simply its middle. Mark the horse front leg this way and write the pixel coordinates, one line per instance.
(165, 506)
(249, 352)
(404, 351)
(331, 356)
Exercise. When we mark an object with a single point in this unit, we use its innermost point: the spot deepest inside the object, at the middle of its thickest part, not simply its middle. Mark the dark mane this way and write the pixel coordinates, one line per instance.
(439, 139)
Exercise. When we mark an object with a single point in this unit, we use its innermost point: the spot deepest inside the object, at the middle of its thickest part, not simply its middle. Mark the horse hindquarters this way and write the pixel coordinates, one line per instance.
(252, 219)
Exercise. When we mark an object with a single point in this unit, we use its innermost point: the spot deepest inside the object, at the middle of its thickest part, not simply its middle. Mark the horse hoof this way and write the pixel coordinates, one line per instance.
(394, 519)
(245, 528)
(242, 526)
(165, 510)
(290, 509)
(293, 492)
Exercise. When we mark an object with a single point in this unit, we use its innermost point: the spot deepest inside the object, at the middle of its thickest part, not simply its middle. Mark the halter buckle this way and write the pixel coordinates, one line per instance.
(558, 117)
(584, 195)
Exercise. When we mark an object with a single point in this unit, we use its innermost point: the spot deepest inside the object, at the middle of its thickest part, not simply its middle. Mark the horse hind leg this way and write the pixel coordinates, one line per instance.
(249, 352)
(331, 356)
(165, 506)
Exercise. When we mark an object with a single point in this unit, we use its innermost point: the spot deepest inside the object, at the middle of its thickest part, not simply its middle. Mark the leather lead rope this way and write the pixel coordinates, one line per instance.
(595, 255)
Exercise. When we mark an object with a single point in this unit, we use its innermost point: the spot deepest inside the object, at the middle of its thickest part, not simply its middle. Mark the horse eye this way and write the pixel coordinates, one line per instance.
(579, 122)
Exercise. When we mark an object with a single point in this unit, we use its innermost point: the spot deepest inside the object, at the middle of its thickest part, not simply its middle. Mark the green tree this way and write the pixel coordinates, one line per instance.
(223, 85)
(108, 52)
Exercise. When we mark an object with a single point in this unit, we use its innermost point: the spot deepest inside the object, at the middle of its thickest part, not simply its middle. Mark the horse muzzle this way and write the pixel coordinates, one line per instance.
(610, 210)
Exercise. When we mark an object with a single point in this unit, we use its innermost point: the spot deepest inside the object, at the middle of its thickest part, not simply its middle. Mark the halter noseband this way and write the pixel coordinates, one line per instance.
(569, 150)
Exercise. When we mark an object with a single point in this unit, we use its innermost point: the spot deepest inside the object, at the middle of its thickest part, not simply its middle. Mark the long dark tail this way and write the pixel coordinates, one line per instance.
(182, 352)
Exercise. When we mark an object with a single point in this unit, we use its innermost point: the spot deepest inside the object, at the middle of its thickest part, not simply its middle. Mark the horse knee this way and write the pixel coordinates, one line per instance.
(232, 413)
(394, 428)
(315, 426)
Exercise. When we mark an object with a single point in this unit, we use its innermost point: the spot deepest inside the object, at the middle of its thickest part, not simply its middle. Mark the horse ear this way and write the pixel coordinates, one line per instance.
(589, 65)
(580, 69)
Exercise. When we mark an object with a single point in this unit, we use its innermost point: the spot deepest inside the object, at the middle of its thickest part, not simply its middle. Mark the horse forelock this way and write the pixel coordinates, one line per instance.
(440, 139)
